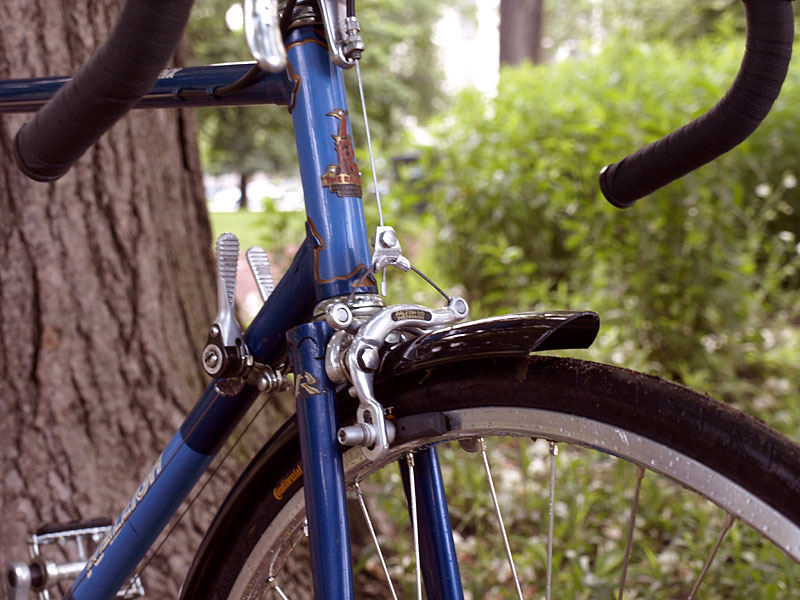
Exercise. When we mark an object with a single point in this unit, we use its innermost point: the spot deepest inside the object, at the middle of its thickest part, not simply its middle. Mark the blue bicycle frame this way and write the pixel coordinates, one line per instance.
(332, 262)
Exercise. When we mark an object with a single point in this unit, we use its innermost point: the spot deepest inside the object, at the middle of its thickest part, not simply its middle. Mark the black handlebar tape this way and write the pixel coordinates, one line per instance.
(121, 71)
(770, 31)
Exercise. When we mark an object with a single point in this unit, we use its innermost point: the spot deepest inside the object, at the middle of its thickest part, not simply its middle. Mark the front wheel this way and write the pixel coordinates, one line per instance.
(607, 482)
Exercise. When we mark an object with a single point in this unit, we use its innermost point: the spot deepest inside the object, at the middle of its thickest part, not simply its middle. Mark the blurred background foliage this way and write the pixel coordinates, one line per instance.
(400, 80)
(698, 283)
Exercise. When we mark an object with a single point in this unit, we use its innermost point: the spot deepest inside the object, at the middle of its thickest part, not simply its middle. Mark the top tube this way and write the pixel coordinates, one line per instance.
(185, 87)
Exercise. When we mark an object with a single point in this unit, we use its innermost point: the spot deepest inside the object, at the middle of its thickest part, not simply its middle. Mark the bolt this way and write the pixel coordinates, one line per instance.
(211, 359)
(368, 359)
(388, 239)
(393, 337)
(214, 331)
(338, 316)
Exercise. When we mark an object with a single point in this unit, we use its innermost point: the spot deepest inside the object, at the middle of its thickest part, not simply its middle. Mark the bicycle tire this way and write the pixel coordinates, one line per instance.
(718, 452)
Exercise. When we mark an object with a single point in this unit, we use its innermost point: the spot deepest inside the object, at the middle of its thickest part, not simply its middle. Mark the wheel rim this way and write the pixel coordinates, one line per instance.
(286, 530)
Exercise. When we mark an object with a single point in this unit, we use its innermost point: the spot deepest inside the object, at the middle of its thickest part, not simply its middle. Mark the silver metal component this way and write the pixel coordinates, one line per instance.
(225, 355)
(388, 252)
(364, 434)
(363, 357)
(551, 520)
(259, 265)
(334, 15)
(412, 494)
(41, 574)
(265, 378)
(372, 533)
(729, 519)
(368, 359)
(499, 516)
(353, 44)
(227, 388)
(263, 32)
(339, 316)
(278, 590)
(335, 363)
(631, 527)
(227, 262)
(212, 359)
(459, 307)
(18, 581)
(369, 145)
(54, 573)
(388, 239)
(363, 306)
(394, 337)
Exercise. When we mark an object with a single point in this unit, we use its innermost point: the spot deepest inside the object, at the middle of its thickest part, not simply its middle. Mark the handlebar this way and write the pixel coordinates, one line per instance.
(147, 33)
(770, 31)
(121, 71)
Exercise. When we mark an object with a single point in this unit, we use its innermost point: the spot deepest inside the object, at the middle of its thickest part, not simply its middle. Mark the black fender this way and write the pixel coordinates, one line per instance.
(508, 335)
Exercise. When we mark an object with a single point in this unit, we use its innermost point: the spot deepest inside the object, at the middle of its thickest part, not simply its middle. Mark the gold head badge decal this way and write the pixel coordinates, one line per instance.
(343, 179)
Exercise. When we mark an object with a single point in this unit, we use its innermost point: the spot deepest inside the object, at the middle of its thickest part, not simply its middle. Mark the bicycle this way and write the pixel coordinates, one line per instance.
(418, 379)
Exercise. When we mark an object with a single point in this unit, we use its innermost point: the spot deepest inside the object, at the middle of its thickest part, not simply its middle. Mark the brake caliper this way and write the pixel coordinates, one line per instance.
(359, 362)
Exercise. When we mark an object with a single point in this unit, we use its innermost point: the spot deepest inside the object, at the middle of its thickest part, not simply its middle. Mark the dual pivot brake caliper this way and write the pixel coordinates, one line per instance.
(359, 362)
(354, 352)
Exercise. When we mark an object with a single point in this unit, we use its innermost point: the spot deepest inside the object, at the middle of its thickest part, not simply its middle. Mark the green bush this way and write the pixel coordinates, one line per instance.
(698, 282)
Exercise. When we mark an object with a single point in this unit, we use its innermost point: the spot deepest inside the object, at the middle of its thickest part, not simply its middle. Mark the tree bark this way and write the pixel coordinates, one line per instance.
(521, 30)
(106, 290)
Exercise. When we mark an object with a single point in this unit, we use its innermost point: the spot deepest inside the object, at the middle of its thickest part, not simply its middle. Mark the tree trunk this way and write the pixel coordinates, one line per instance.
(106, 290)
(521, 27)
(244, 178)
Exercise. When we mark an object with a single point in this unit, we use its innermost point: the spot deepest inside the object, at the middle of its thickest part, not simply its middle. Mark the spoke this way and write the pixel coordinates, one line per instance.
(499, 516)
(414, 522)
(277, 588)
(551, 521)
(729, 519)
(631, 527)
(374, 538)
